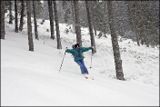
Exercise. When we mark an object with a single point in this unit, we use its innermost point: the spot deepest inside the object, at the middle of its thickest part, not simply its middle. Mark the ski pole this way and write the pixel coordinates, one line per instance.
(62, 61)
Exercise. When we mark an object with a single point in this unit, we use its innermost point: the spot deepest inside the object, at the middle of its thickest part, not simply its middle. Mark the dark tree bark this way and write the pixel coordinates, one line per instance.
(116, 51)
(10, 13)
(22, 15)
(35, 20)
(77, 22)
(59, 46)
(95, 31)
(16, 16)
(93, 44)
(50, 9)
(29, 26)
(2, 14)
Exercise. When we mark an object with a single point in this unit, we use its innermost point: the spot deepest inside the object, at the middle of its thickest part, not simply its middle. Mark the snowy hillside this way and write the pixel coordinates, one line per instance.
(32, 78)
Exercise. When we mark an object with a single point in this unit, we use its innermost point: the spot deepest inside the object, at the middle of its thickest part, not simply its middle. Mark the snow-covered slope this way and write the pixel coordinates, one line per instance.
(32, 78)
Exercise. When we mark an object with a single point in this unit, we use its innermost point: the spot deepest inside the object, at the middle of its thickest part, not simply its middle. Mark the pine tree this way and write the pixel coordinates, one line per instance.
(93, 7)
(73, 16)
(10, 13)
(77, 22)
(116, 51)
(35, 19)
(2, 14)
(66, 11)
(16, 16)
(90, 27)
(50, 9)
(132, 23)
(22, 16)
(29, 26)
(59, 46)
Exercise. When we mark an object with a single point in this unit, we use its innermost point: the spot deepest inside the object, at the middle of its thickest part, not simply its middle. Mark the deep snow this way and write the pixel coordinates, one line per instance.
(32, 78)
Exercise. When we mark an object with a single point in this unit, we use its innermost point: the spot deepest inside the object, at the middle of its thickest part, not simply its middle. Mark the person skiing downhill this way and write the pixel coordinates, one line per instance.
(77, 52)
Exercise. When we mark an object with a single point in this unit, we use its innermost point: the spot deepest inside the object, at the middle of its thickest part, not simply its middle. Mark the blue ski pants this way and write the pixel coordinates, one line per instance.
(82, 67)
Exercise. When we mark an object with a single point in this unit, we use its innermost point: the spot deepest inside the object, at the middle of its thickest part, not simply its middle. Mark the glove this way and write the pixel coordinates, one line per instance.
(66, 49)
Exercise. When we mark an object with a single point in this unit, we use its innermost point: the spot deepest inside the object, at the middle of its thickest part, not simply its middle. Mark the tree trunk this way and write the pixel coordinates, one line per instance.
(132, 22)
(29, 26)
(77, 22)
(35, 20)
(95, 31)
(10, 13)
(16, 16)
(59, 46)
(50, 9)
(22, 15)
(2, 32)
(116, 51)
(90, 27)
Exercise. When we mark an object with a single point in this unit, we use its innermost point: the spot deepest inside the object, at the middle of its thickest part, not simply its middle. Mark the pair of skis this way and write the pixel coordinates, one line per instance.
(88, 77)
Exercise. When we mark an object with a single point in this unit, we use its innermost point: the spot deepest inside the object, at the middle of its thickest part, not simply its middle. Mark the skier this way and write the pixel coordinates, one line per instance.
(77, 53)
